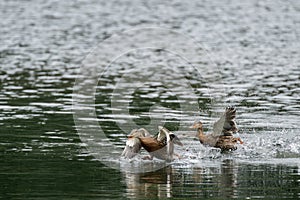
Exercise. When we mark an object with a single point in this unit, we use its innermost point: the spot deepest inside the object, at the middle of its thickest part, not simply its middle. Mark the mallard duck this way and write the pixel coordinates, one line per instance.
(160, 146)
(223, 129)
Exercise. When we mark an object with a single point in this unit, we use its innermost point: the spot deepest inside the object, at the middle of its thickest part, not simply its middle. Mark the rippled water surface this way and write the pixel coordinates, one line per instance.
(247, 56)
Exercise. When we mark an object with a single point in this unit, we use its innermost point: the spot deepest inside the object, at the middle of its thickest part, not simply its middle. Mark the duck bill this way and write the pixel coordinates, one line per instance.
(192, 127)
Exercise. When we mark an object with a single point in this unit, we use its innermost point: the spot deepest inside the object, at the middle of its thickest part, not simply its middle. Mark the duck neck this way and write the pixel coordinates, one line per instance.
(200, 131)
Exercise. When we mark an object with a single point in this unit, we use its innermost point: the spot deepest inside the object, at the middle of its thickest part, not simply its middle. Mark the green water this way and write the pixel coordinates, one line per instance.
(42, 157)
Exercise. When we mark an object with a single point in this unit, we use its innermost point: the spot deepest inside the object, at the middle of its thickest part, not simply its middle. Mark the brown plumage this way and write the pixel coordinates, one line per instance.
(133, 144)
(160, 146)
(222, 136)
(151, 144)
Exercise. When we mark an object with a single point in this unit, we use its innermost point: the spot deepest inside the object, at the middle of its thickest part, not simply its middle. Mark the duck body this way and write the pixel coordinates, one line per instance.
(228, 143)
(222, 136)
(160, 146)
(133, 144)
(151, 144)
(209, 139)
(225, 143)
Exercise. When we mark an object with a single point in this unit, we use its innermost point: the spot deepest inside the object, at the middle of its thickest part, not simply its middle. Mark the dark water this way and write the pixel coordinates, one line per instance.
(249, 58)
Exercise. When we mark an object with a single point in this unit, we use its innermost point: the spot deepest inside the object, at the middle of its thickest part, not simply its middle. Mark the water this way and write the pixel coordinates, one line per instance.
(248, 58)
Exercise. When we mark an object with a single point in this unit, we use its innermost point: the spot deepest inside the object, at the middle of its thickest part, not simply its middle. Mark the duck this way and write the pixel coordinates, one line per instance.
(160, 146)
(133, 144)
(223, 130)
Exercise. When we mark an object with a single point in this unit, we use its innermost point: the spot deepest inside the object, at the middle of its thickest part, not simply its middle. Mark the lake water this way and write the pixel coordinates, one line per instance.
(77, 76)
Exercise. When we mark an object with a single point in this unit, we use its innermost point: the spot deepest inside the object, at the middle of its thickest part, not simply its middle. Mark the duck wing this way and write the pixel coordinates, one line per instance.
(132, 148)
(133, 144)
(226, 125)
(163, 135)
(144, 132)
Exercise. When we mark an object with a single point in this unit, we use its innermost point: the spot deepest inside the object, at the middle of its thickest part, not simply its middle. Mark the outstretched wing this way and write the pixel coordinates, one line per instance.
(133, 144)
(132, 148)
(163, 135)
(144, 132)
(164, 138)
(226, 124)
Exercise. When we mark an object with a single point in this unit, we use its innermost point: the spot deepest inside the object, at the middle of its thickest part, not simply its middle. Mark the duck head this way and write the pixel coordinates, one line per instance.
(197, 125)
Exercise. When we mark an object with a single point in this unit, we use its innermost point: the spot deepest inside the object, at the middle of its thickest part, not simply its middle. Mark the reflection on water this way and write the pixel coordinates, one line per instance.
(228, 180)
(150, 185)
